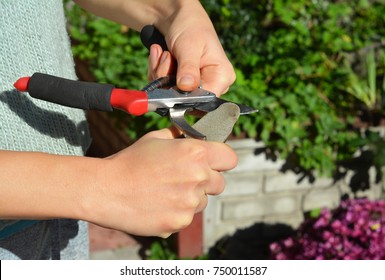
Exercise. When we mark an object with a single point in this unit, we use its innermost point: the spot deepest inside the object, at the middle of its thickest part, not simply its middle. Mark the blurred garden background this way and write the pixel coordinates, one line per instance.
(315, 69)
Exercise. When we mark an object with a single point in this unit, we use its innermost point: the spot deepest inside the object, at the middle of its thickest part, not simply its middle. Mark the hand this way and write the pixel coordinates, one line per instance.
(154, 187)
(196, 48)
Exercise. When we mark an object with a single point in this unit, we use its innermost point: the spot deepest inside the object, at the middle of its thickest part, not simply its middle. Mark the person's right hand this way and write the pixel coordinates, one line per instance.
(155, 186)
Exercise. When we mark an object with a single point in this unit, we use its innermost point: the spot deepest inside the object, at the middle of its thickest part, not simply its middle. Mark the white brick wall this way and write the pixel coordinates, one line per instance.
(257, 191)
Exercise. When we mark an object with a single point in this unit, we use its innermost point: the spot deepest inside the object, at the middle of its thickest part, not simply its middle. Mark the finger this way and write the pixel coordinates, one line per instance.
(160, 63)
(153, 60)
(165, 66)
(203, 203)
(221, 157)
(217, 78)
(215, 185)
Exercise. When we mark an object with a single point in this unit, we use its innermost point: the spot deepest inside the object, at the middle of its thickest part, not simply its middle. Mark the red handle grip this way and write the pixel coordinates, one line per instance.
(134, 102)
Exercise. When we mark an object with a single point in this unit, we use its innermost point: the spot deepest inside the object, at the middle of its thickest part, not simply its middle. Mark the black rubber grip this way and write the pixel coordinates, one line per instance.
(150, 35)
(76, 94)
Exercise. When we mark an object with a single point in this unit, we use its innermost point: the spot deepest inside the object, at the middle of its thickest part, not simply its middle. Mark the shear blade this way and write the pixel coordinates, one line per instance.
(213, 105)
(177, 116)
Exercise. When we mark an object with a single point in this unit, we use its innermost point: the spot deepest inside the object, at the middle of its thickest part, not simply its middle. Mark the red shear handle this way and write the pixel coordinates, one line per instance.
(134, 102)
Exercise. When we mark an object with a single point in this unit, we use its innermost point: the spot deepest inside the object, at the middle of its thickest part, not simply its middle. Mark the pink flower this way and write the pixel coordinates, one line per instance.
(354, 230)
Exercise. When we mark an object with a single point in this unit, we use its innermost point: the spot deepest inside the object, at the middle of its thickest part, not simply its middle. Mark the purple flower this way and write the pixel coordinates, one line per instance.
(354, 230)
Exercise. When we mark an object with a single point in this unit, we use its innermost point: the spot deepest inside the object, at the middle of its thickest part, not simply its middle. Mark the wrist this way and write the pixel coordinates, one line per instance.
(178, 12)
(162, 14)
(77, 183)
(93, 184)
(103, 199)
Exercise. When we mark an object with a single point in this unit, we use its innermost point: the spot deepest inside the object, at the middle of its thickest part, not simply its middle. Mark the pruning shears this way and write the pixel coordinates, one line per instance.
(160, 96)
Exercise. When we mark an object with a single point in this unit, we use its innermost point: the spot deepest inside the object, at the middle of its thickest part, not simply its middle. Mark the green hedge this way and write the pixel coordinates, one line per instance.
(312, 68)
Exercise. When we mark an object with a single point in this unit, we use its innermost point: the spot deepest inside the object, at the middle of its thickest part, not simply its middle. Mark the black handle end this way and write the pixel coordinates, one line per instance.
(150, 35)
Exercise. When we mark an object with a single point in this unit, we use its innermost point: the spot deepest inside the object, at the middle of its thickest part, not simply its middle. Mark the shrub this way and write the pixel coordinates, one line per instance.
(355, 230)
(298, 62)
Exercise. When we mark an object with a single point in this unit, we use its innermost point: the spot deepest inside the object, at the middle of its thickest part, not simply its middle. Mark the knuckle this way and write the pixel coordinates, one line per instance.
(229, 78)
(200, 177)
(185, 221)
(202, 206)
(192, 203)
(194, 151)
(178, 222)
(165, 235)
(217, 185)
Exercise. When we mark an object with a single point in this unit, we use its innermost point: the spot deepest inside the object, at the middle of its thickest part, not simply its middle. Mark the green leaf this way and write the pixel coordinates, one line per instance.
(315, 213)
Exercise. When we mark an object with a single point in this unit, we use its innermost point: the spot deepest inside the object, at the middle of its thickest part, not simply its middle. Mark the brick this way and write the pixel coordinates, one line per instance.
(373, 193)
(318, 198)
(259, 206)
(248, 160)
(241, 209)
(372, 175)
(245, 183)
(282, 204)
(245, 144)
(276, 181)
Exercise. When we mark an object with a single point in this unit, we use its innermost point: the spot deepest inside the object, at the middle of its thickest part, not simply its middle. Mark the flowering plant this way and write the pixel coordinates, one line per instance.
(354, 230)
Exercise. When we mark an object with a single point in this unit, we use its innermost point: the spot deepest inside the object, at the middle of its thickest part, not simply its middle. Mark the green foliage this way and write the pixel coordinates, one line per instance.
(297, 62)
(162, 250)
(310, 67)
(315, 213)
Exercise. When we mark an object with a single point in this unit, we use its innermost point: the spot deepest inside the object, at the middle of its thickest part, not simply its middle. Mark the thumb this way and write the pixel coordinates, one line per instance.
(188, 71)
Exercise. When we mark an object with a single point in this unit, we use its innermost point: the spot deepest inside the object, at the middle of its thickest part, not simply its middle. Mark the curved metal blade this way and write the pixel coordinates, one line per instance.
(178, 119)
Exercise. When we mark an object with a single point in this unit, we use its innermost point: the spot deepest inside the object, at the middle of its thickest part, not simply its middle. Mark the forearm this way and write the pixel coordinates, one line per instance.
(138, 13)
(39, 185)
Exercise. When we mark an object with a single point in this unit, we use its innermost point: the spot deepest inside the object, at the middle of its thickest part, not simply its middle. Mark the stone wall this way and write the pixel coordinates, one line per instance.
(257, 191)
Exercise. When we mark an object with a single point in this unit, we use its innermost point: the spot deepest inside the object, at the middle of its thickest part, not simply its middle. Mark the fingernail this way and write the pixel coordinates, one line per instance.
(154, 53)
(164, 57)
(186, 80)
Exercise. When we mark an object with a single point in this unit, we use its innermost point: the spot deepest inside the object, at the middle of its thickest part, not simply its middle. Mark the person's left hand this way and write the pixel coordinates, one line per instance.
(201, 61)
